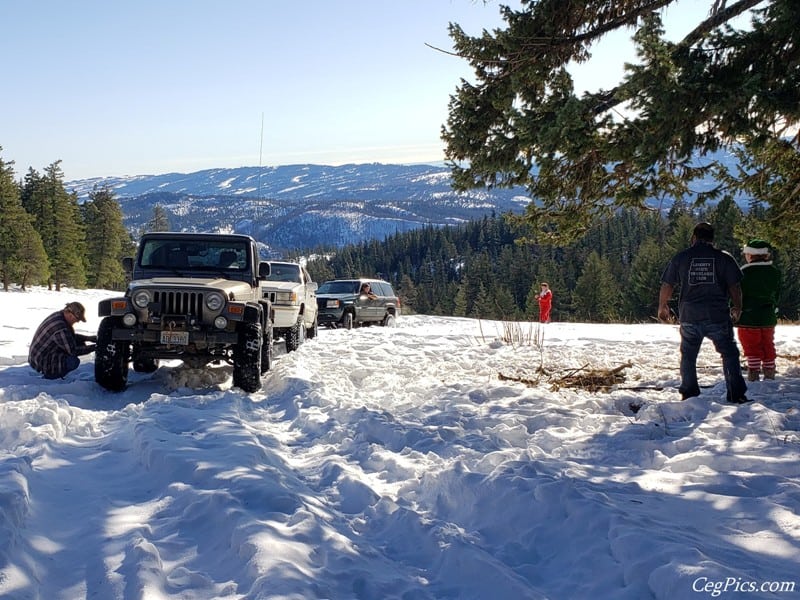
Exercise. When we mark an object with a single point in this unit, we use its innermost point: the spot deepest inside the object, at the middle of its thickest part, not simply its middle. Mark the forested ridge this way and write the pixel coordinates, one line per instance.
(482, 270)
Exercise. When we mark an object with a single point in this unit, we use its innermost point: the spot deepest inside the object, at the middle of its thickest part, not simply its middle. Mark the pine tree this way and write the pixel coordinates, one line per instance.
(505, 307)
(483, 306)
(645, 279)
(107, 240)
(407, 292)
(66, 249)
(22, 256)
(727, 218)
(596, 293)
(159, 221)
(730, 83)
(460, 304)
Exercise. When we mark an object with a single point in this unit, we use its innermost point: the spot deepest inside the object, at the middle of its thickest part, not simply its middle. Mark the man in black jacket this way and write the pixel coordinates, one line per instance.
(710, 302)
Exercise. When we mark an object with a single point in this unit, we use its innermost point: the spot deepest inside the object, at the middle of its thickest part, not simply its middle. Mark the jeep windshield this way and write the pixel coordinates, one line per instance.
(187, 255)
(338, 287)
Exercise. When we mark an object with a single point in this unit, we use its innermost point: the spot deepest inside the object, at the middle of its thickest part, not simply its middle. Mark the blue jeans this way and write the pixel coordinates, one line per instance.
(72, 363)
(721, 334)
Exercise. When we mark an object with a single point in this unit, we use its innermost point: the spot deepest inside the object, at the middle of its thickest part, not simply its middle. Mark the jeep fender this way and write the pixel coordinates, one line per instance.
(252, 313)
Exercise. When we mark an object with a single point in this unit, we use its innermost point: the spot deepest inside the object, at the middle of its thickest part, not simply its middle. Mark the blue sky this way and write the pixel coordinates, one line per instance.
(156, 86)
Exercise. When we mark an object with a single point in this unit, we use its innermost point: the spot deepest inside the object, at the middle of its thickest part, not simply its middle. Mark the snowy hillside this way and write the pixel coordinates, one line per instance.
(303, 206)
(396, 463)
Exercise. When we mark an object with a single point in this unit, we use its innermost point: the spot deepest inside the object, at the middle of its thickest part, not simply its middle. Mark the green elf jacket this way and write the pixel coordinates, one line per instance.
(761, 287)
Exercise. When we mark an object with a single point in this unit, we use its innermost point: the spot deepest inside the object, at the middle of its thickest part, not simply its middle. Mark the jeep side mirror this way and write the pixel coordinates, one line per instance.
(127, 264)
(264, 269)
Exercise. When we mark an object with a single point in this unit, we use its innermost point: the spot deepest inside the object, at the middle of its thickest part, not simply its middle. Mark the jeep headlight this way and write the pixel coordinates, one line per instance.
(141, 299)
(286, 297)
(215, 301)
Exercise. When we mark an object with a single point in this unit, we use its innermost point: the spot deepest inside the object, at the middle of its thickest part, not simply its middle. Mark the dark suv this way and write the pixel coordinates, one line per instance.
(341, 303)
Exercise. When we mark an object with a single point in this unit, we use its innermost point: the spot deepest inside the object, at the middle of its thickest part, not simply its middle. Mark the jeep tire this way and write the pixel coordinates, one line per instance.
(247, 358)
(111, 358)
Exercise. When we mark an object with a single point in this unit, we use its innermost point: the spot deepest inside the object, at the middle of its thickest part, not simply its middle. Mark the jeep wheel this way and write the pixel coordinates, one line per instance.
(389, 320)
(295, 335)
(347, 320)
(247, 358)
(311, 332)
(110, 358)
(266, 351)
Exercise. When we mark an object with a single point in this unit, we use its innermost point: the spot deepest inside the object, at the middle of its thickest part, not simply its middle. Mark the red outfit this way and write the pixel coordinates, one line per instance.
(759, 347)
(545, 304)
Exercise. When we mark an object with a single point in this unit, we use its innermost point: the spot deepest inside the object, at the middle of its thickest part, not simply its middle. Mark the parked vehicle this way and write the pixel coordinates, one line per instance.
(197, 297)
(342, 305)
(294, 302)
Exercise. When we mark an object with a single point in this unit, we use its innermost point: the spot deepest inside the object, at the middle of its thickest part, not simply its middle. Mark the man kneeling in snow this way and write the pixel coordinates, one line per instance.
(55, 347)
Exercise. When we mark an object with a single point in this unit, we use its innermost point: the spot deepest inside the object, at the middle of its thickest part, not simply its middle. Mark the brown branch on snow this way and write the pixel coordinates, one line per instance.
(593, 380)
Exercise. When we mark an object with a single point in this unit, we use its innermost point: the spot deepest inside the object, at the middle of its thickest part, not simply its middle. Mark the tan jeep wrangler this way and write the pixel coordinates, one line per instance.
(196, 297)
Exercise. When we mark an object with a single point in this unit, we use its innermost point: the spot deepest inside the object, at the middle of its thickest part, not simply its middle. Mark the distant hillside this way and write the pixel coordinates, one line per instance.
(303, 206)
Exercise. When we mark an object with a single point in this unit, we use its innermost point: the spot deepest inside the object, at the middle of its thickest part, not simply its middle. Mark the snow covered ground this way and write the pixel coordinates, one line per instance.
(397, 463)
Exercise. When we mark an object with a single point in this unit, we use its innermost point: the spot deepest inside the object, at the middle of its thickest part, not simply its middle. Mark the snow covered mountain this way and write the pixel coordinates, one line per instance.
(302, 206)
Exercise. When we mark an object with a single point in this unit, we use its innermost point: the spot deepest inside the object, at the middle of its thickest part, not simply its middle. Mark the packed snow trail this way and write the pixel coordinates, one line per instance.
(395, 463)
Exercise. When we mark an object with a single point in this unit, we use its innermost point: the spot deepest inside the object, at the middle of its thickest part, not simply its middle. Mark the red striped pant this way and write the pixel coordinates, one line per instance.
(758, 346)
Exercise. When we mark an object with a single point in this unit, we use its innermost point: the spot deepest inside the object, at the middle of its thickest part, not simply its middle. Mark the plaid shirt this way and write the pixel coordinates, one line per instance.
(52, 343)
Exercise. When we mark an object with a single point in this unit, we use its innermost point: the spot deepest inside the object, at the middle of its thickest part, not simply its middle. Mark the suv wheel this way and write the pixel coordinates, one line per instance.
(296, 335)
(311, 332)
(347, 320)
(266, 351)
(110, 358)
(389, 320)
(247, 358)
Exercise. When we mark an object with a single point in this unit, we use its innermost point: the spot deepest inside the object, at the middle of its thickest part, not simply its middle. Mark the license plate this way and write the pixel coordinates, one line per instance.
(175, 338)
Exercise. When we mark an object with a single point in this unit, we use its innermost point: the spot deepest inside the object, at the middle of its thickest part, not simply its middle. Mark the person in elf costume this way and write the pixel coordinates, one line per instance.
(761, 287)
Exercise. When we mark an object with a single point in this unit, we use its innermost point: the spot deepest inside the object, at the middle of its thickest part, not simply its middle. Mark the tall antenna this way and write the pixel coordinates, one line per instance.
(257, 214)
(260, 151)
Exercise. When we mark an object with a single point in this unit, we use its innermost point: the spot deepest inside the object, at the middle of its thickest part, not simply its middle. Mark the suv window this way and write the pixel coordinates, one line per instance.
(377, 288)
(338, 287)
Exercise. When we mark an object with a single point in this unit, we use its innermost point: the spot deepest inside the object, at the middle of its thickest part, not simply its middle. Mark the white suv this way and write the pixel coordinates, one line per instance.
(294, 302)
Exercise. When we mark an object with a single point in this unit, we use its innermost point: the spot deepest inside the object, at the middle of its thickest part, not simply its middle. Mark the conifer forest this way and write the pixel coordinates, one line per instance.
(488, 269)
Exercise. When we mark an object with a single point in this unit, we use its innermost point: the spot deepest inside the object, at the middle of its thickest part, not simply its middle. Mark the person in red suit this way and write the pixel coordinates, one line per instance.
(545, 303)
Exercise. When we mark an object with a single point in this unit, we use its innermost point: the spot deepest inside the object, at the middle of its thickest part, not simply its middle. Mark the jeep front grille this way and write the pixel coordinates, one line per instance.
(180, 303)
